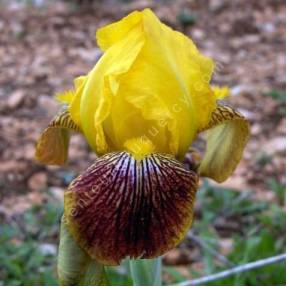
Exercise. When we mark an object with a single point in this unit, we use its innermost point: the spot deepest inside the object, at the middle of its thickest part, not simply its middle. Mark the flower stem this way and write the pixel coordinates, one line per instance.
(146, 272)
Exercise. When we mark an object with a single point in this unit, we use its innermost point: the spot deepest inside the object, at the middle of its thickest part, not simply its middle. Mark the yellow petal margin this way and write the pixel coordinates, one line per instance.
(52, 146)
(227, 135)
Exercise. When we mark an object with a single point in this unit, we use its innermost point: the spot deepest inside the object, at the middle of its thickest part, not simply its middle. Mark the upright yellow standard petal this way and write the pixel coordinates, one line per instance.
(102, 87)
(151, 82)
(113, 33)
(227, 135)
(169, 84)
(74, 106)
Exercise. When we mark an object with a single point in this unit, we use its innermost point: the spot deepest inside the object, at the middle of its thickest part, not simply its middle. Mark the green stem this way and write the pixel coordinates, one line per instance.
(146, 272)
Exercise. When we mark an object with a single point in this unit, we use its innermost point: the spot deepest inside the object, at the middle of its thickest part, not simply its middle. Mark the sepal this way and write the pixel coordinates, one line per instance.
(227, 135)
(52, 146)
(122, 207)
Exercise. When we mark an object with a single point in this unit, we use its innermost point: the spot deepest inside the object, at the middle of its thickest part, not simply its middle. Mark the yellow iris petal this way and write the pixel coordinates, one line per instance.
(172, 68)
(115, 32)
(226, 138)
(102, 86)
(152, 82)
(79, 81)
(74, 106)
(139, 147)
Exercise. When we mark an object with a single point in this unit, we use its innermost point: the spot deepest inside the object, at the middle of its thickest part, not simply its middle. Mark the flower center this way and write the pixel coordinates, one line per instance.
(139, 147)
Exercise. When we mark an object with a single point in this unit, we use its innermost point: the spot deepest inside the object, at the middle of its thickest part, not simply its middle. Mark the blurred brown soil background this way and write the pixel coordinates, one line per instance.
(43, 48)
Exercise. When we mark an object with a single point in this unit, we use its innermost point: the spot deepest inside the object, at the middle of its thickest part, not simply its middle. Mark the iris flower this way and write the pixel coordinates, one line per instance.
(140, 108)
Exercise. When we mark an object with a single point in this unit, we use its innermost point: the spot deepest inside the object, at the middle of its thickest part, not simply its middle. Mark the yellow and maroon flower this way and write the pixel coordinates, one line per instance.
(140, 108)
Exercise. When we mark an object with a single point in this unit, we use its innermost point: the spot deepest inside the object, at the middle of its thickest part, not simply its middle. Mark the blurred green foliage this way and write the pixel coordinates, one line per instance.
(23, 239)
(257, 230)
(278, 95)
(186, 18)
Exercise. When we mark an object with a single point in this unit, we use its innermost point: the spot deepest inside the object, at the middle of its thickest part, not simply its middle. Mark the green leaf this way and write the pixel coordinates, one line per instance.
(278, 95)
(279, 190)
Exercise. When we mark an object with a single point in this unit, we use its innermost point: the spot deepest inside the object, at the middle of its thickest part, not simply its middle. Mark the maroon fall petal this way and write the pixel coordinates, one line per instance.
(121, 207)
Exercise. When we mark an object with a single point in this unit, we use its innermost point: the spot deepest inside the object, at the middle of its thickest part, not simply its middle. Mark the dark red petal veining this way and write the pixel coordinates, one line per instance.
(121, 207)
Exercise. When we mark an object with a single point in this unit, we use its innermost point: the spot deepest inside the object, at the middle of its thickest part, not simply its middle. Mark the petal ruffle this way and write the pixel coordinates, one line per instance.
(151, 82)
(168, 85)
(227, 135)
(102, 85)
(52, 146)
(74, 106)
(122, 207)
